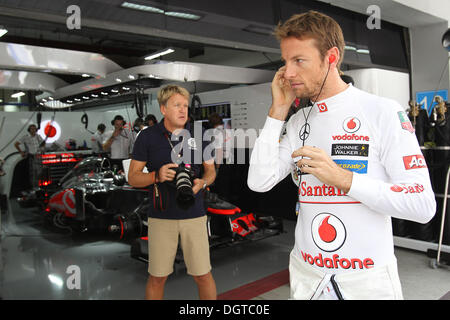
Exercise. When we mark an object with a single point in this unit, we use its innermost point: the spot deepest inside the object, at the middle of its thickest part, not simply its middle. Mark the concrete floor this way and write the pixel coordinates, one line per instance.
(39, 263)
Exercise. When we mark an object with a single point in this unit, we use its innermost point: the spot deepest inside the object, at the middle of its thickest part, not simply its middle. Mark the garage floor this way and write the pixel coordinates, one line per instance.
(39, 263)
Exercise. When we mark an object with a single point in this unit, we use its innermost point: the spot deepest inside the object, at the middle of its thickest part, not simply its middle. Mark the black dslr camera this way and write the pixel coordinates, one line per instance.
(183, 181)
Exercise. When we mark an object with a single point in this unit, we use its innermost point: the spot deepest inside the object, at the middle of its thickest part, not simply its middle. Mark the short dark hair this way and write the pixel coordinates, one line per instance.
(313, 24)
(150, 117)
(138, 122)
(214, 120)
(31, 125)
(118, 117)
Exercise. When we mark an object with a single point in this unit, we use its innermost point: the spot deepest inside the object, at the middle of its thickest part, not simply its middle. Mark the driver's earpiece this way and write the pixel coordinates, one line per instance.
(332, 58)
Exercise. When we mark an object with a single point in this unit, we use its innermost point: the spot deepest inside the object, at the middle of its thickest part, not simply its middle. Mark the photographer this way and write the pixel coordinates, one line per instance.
(172, 215)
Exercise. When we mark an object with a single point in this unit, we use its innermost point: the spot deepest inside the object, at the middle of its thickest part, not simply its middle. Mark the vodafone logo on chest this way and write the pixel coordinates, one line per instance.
(414, 162)
(351, 124)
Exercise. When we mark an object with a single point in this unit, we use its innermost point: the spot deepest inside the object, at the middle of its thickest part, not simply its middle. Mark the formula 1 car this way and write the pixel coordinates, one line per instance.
(94, 199)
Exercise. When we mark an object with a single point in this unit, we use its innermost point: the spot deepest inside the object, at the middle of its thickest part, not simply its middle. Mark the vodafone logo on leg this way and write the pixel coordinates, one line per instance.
(329, 235)
(328, 232)
(414, 162)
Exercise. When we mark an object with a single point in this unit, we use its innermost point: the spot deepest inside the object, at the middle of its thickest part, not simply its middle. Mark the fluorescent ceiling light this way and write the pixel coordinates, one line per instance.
(18, 94)
(3, 31)
(258, 29)
(141, 7)
(57, 281)
(159, 53)
(175, 14)
(351, 48)
(182, 15)
(85, 75)
(364, 51)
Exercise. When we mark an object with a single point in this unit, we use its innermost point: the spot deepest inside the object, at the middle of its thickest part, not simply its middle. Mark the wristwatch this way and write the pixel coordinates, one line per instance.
(204, 185)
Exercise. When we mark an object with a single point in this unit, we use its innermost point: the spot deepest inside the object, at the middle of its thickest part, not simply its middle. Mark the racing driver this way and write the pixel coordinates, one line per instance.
(355, 159)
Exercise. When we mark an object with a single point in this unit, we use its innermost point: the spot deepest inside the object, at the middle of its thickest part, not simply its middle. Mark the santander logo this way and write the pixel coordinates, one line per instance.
(328, 232)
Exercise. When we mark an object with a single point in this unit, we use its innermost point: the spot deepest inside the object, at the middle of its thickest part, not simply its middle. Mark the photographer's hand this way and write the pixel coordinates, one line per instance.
(198, 185)
(165, 173)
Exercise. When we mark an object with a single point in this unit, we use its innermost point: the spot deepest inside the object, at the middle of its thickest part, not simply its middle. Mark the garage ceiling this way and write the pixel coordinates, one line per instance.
(232, 33)
(126, 35)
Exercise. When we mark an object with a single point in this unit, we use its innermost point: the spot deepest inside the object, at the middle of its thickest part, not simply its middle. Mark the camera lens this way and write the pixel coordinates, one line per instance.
(185, 195)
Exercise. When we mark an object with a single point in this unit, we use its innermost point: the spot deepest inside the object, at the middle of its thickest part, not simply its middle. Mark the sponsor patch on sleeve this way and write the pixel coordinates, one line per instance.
(416, 161)
(407, 188)
(405, 122)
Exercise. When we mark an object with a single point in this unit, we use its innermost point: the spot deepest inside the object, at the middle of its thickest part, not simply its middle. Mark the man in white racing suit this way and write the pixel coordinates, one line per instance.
(356, 161)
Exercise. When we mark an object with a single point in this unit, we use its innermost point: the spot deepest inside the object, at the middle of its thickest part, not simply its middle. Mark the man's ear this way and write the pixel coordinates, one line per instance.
(162, 108)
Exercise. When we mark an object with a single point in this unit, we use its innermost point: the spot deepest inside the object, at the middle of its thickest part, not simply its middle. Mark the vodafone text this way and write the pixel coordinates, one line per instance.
(350, 137)
(336, 262)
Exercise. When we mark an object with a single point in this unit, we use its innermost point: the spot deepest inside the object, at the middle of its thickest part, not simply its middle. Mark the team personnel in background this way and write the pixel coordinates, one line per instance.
(222, 145)
(97, 139)
(150, 120)
(119, 142)
(158, 149)
(139, 125)
(355, 159)
(32, 142)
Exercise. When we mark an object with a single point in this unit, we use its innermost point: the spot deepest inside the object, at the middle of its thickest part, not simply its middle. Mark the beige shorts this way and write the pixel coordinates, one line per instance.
(163, 236)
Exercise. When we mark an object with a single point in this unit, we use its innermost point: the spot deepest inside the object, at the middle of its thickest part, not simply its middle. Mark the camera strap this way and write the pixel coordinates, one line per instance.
(180, 154)
(160, 195)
